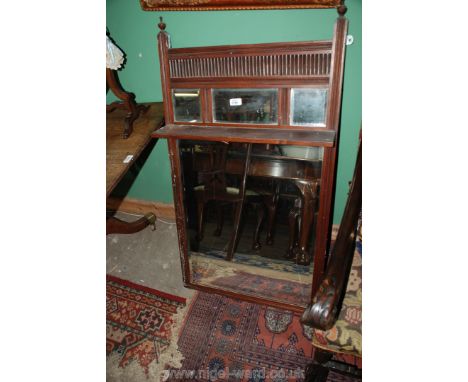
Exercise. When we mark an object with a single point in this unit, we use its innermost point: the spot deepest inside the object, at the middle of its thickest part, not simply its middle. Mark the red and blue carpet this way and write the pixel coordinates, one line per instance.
(219, 339)
(231, 340)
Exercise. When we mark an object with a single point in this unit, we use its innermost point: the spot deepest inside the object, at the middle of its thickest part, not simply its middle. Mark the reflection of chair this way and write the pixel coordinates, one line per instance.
(214, 187)
(336, 307)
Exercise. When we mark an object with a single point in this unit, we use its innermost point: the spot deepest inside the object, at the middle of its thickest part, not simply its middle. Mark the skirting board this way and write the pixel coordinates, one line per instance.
(141, 207)
(162, 210)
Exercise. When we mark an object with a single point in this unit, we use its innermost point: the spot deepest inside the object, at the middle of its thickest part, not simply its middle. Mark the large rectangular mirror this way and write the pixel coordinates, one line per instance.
(251, 235)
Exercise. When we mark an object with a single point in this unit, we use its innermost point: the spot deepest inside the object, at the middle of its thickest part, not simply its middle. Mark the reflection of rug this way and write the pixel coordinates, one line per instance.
(275, 289)
(239, 278)
(140, 324)
(231, 340)
(259, 261)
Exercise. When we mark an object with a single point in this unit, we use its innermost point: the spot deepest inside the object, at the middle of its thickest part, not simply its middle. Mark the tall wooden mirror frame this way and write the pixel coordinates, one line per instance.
(272, 65)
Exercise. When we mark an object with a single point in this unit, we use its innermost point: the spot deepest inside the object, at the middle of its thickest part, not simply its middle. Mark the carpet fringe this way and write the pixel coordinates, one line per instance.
(172, 357)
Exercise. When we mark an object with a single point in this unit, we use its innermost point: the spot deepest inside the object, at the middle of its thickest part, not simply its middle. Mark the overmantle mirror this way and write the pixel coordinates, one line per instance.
(251, 131)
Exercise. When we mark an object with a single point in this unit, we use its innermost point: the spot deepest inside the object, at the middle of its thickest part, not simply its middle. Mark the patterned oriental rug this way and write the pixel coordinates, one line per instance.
(153, 336)
(142, 326)
(231, 340)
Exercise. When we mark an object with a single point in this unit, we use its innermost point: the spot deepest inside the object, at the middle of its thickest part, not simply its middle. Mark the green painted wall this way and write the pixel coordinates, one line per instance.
(135, 32)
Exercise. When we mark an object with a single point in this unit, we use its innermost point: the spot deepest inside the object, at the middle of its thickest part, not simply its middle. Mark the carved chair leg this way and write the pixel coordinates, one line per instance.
(256, 245)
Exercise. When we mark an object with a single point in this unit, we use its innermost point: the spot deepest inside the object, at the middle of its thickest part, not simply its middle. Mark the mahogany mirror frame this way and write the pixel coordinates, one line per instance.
(183, 68)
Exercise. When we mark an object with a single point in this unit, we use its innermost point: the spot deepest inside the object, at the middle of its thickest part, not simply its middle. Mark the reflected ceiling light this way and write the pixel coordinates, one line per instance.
(186, 94)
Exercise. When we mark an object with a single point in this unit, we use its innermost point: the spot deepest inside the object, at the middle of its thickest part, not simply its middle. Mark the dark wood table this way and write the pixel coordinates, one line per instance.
(118, 149)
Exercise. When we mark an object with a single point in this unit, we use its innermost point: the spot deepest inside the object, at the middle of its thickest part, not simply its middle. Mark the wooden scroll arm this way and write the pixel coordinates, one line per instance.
(326, 304)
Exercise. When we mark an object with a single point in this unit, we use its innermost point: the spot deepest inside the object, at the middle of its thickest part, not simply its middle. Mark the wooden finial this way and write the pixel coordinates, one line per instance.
(342, 8)
(161, 24)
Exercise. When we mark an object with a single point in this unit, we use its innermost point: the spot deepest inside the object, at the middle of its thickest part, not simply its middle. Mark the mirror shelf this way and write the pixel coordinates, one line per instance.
(277, 136)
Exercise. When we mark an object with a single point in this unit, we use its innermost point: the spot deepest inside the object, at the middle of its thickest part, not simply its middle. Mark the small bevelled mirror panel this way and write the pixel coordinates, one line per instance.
(308, 106)
(258, 106)
(186, 104)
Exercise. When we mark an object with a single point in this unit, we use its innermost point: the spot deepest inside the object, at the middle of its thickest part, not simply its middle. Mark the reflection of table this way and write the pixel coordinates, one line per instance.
(118, 149)
(304, 174)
